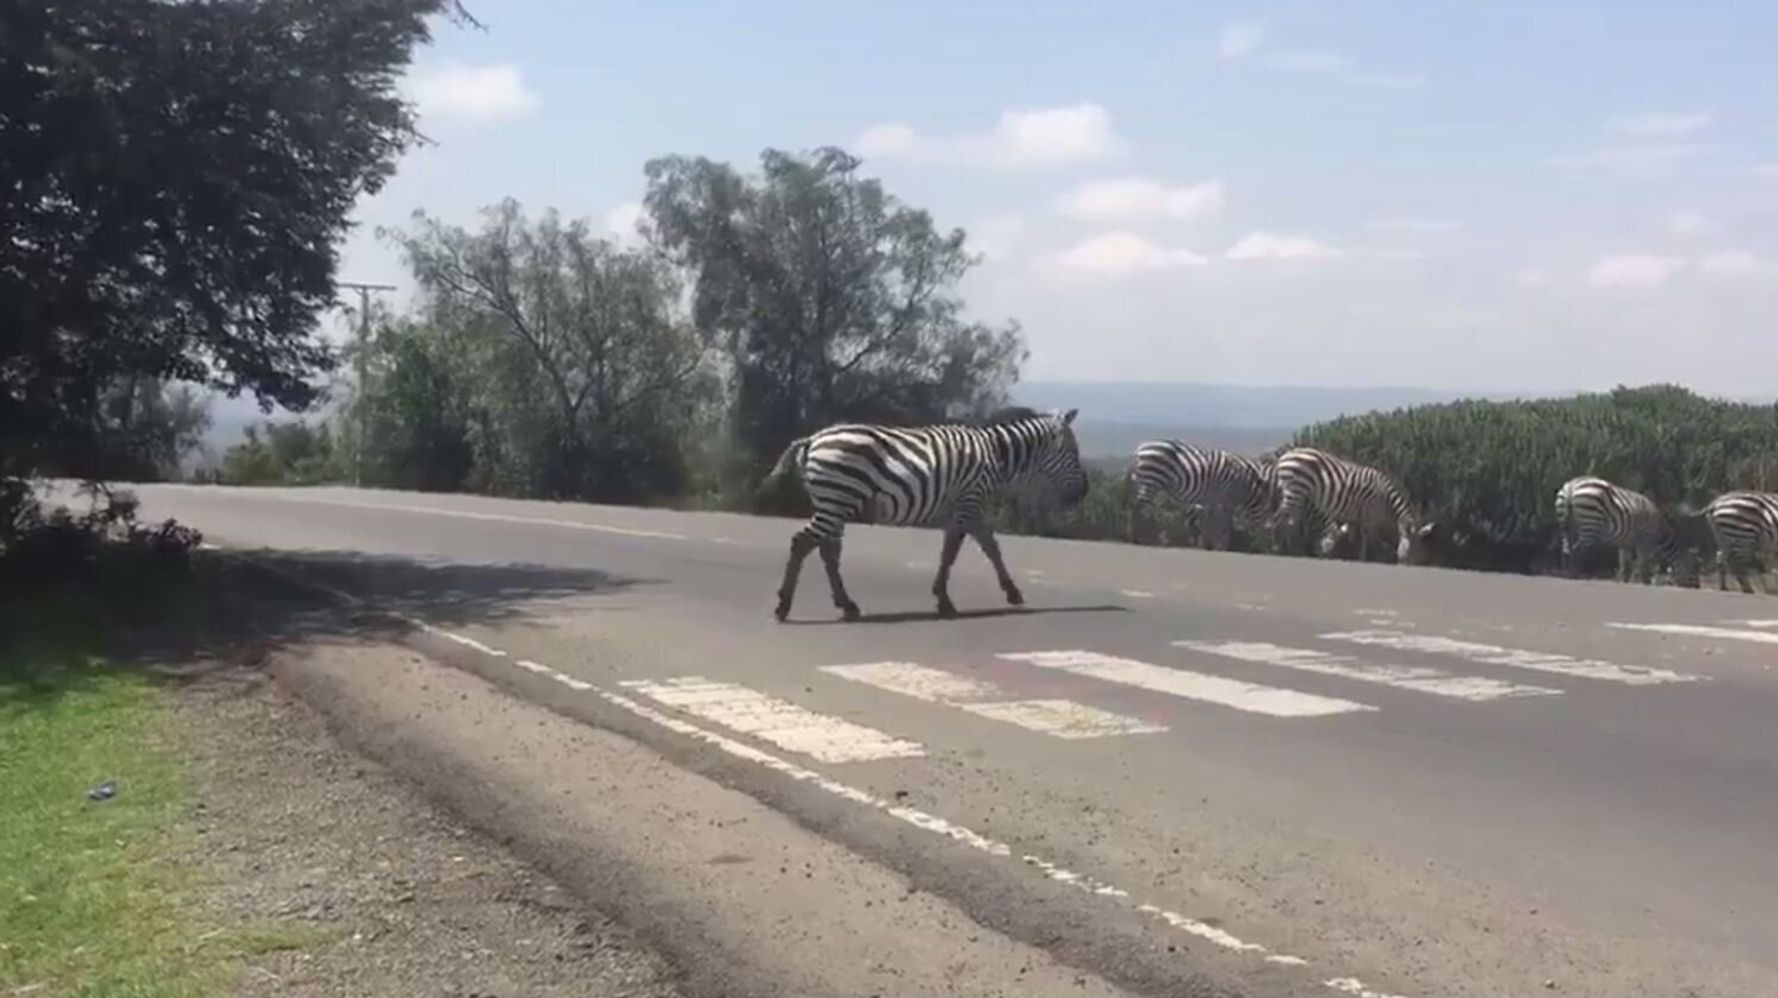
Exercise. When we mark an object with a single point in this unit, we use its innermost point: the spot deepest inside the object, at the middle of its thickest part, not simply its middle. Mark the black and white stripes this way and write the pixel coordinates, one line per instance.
(1744, 525)
(1592, 511)
(1347, 493)
(926, 475)
(1228, 487)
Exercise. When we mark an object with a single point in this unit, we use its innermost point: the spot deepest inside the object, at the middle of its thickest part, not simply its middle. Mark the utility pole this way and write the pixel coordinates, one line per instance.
(364, 291)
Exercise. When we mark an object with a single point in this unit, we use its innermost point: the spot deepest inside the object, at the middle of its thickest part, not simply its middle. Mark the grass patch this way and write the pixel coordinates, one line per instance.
(102, 898)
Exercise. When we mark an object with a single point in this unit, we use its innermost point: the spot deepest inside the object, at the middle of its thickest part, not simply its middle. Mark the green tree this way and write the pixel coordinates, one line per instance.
(288, 453)
(586, 374)
(831, 299)
(176, 179)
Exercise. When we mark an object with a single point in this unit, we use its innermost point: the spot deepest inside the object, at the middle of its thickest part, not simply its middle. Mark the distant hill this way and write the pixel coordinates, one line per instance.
(1247, 407)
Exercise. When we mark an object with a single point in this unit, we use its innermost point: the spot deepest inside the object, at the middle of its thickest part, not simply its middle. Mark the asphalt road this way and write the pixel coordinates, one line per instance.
(1299, 777)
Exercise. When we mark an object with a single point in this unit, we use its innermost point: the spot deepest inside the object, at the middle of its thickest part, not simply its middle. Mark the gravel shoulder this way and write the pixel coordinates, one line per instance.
(382, 892)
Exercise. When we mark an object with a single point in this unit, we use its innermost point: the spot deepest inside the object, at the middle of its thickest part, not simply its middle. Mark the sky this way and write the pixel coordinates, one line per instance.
(1509, 196)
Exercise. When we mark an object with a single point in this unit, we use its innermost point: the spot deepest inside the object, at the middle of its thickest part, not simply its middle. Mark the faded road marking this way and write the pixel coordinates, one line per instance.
(1419, 679)
(912, 816)
(469, 515)
(1703, 631)
(1058, 718)
(1251, 697)
(1518, 658)
(780, 722)
(1137, 593)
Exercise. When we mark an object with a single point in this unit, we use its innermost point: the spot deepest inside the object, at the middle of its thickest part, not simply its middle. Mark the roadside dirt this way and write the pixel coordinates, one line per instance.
(386, 894)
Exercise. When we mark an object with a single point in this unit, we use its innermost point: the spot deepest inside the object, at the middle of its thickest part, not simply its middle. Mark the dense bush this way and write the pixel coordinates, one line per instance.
(1489, 471)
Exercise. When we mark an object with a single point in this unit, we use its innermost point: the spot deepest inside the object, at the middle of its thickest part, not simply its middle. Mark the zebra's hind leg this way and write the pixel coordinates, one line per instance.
(947, 556)
(830, 559)
(800, 546)
(984, 539)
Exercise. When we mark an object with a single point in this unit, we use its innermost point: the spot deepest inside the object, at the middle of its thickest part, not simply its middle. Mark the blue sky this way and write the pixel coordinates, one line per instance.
(1504, 196)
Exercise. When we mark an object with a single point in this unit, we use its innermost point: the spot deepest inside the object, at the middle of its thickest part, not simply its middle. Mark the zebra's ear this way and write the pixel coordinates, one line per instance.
(1068, 417)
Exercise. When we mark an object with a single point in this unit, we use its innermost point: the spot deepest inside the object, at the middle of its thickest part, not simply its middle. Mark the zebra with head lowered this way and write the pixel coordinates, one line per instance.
(1744, 525)
(1230, 488)
(923, 475)
(1350, 496)
(1593, 511)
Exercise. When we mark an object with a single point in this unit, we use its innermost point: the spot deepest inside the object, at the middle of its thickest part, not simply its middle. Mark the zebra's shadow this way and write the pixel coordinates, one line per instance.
(918, 616)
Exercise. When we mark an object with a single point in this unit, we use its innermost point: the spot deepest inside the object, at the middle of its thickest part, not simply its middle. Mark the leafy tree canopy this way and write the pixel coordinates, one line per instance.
(176, 177)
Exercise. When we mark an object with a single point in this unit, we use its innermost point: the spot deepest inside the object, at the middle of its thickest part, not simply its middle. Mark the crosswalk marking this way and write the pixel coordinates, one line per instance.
(1060, 718)
(1518, 658)
(1191, 685)
(1704, 631)
(784, 724)
(1417, 678)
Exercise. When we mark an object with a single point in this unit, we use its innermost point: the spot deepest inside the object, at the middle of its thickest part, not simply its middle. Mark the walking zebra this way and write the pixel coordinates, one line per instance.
(1351, 496)
(1744, 525)
(1226, 486)
(921, 475)
(1593, 511)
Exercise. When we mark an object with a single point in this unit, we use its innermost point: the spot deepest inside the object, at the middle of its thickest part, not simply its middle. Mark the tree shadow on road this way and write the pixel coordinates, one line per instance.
(232, 609)
(916, 616)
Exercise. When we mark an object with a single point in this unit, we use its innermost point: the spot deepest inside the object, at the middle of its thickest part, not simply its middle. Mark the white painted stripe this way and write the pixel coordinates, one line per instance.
(1357, 988)
(780, 722)
(911, 679)
(1137, 593)
(1703, 631)
(1060, 718)
(462, 514)
(915, 817)
(1756, 623)
(1190, 685)
(1419, 679)
(1517, 658)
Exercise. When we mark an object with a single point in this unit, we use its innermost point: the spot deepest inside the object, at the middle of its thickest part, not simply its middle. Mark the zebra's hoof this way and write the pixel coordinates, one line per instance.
(1014, 597)
(780, 612)
(850, 611)
(947, 609)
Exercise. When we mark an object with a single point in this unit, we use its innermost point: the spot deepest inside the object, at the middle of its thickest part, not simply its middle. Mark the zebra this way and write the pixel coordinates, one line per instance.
(1351, 496)
(1743, 524)
(922, 475)
(1229, 487)
(1593, 511)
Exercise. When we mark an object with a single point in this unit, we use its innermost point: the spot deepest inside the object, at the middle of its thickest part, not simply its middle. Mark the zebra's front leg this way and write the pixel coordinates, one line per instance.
(800, 546)
(947, 556)
(984, 539)
(830, 559)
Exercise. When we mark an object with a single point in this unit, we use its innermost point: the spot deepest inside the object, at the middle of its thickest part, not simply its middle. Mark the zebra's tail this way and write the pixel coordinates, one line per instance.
(792, 458)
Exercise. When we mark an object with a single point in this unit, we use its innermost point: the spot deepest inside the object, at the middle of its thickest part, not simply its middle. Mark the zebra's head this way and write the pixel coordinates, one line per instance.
(1058, 459)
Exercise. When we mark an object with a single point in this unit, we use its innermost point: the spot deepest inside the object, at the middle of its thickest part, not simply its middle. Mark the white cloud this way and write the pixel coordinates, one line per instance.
(1121, 253)
(1660, 124)
(1134, 197)
(1647, 160)
(1418, 226)
(1689, 223)
(1633, 270)
(1533, 277)
(1243, 39)
(1266, 246)
(624, 221)
(1240, 39)
(475, 94)
(996, 238)
(1731, 263)
(1075, 133)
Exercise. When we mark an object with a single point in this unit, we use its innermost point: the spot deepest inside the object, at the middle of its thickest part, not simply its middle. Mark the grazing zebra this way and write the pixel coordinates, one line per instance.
(1229, 487)
(921, 475)
(1351, 496)
(1744, 525)
(1593, 511)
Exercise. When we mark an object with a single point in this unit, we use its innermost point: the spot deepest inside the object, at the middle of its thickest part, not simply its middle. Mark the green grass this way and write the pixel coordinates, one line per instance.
(99, 898)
